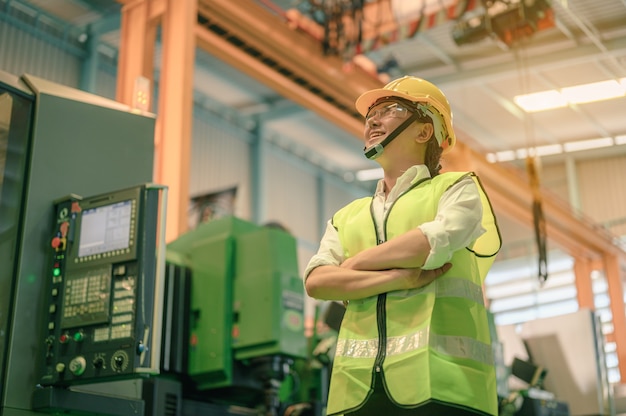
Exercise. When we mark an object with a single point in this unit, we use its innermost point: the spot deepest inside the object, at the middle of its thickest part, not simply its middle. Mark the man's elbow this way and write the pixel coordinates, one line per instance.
(311, 288)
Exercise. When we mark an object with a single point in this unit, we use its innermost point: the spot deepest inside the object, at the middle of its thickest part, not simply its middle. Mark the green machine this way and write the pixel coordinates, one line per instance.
(246, 308)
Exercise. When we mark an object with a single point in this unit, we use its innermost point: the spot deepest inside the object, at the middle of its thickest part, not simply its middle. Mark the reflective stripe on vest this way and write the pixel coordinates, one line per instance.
(448, 287)
(460, 347)
(457, 346)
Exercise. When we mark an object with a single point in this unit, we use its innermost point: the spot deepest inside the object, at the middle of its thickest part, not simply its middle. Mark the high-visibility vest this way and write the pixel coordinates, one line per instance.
(431, 343)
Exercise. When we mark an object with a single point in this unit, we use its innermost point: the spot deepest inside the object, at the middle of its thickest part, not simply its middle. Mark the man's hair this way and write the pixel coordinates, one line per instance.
(432, 157)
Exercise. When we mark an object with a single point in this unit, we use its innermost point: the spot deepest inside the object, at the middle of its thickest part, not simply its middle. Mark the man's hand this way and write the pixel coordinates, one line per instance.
(417, 277)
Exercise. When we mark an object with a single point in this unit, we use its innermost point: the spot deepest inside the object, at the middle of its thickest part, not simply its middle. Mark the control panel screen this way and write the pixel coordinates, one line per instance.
(105, 229)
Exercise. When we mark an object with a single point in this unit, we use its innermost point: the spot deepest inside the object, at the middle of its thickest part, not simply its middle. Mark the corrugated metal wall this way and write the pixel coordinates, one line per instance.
(220, 159)
(595, 179)
(25, 52)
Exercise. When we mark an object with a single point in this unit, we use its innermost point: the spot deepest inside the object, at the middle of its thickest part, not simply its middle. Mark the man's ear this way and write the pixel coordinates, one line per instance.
(425, 132)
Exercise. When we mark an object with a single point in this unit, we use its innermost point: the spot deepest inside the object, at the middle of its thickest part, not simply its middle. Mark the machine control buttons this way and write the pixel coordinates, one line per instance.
(119, 270)
(98, 362)
(64, 338)
(60, 367)
(119, 361)
(77, 365)
(141, 348)
(79, 336)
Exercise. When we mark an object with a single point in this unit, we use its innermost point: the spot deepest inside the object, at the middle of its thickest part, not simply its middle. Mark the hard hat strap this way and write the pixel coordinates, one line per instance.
(376, 150)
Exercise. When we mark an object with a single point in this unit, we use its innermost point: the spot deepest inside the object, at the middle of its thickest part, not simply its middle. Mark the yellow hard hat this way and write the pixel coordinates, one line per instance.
(428, 98)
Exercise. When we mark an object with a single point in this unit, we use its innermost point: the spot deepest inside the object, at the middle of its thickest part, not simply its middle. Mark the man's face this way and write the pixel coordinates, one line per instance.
(382, 119)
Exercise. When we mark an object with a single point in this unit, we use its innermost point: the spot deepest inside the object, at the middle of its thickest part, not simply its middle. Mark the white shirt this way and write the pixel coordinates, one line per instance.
(456, 225)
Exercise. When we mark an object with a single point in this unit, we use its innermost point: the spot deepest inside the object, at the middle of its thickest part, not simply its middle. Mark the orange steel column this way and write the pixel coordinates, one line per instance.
(612, 271)
(138, 34)
(175, 111)
(584, 289)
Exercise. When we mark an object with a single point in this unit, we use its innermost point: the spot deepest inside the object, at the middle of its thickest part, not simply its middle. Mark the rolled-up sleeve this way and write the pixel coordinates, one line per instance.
(456, 225)
(330, 251)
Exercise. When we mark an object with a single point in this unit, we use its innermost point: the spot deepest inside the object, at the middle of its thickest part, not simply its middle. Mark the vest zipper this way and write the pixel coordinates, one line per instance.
(381, 313)
(381, 317)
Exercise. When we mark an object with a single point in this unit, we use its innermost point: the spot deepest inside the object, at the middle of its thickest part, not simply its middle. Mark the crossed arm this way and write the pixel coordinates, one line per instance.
(393, 265)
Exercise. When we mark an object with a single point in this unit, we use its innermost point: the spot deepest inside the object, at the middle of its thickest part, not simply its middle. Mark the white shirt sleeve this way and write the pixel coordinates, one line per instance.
(457, 224)
(330, 251)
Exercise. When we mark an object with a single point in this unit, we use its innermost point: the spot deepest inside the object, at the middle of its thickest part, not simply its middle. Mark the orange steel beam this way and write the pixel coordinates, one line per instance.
(138, 35)
(584, 288)
(300, 57)
(172, 140)
(175, 111)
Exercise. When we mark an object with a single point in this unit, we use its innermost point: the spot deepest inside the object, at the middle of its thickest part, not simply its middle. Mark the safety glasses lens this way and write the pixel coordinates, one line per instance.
(391, 111)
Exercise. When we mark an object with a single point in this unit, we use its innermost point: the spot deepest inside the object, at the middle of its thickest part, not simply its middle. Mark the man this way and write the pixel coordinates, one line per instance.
(410, 262)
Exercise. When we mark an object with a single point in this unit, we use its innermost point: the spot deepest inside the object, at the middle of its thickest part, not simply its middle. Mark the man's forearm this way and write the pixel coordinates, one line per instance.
(408, 250)
(337, 283)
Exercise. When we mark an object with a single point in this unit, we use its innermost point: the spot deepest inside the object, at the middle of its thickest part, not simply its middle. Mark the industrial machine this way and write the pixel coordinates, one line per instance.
(54, 141)
(246, 309)
(97, 314)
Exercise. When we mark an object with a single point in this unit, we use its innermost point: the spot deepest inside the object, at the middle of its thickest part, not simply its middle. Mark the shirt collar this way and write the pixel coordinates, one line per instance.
(411, 176)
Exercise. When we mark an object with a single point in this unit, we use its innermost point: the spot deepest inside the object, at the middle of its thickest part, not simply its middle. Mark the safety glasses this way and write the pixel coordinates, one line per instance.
(393, 110)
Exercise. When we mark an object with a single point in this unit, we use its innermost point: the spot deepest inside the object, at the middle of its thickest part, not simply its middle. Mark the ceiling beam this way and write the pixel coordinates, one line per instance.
(569, 55)
(271, 36)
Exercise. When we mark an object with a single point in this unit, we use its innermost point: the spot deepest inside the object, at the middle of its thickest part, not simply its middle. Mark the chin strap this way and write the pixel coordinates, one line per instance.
(376, 150)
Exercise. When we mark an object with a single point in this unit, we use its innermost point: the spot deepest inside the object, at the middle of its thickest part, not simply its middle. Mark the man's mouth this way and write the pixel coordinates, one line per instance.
(376, 134)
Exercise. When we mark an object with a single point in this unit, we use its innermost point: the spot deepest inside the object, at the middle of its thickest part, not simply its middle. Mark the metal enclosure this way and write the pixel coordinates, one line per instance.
(247, 304)
(78, 144)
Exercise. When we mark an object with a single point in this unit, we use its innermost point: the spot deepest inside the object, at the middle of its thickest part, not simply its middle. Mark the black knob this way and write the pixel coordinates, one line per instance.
(119, 361)
(98, 362)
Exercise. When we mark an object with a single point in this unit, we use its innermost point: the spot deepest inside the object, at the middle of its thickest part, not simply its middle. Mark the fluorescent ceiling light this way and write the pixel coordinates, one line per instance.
(596, 91)
(540, 101)
(522, 153)
(588, 144)
(506, 156)
(369, 174)
(552, 149)
(579, 94)
(555, 149)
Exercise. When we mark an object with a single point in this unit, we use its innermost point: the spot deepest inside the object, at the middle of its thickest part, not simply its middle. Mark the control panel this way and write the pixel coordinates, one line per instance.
(105, 287)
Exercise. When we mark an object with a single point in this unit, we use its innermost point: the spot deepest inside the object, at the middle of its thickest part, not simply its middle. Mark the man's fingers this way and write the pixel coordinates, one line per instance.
(435, 273)
(444, 268)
